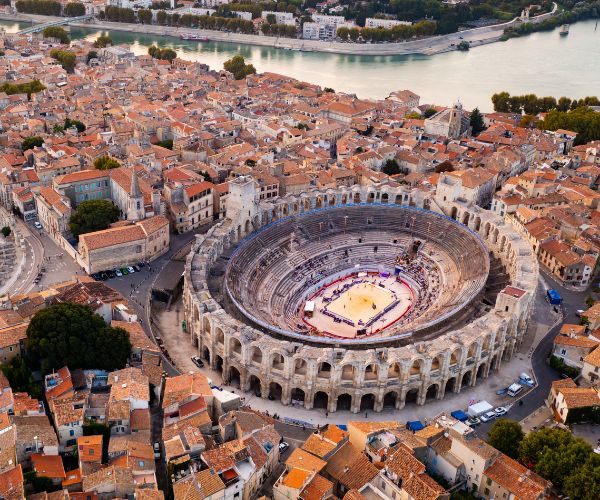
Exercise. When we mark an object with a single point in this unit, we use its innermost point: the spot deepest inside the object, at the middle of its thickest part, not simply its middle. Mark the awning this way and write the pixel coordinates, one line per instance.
(459, 415)
(414, 425)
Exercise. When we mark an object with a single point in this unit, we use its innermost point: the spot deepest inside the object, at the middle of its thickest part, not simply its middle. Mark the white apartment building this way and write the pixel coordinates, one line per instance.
(371, 22)
(280, 17)
(324, 27)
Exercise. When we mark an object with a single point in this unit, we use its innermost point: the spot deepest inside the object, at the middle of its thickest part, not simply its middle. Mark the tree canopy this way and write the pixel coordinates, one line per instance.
(531, 104)
(20, 377)
(165, 54)
(34, 141)
(73, 335)
(506, 436)
(476, 121)
(238, 67)
(74, 9)
(583, 120)
(42, 7)
(93, 215)
(66, 58)
(28, 88)
(106, 163)
(391, 167)
(103, 41)
(58, 33)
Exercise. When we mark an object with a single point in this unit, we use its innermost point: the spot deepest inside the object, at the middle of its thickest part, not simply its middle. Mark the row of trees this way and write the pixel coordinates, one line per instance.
(28, 88)
(66, 58)
(394, 34)
(238, 67)
(205, 22)
(583, 120)
(163, 54)
(555, 454)
(531, 104)
(118, 14)
(50, 8)
(286, 30)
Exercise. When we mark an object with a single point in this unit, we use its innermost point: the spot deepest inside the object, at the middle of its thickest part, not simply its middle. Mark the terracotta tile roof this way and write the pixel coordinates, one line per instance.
(353, 495)
(128, 384)
(183, 386)
(13, 335)
(296, 478)
(576, 341)
(369, 427)
(83, 175)
(48, 465)
(209, 482)
(148, 494)
(422, 487)
(304, 460)
(580, 397)
(112, 236)
(317, 489)
(318, 446)
(11, 484)
(519, 480)
(90, 448)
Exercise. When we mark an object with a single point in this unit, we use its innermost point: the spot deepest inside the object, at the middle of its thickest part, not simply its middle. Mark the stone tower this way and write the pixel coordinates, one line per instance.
(135, 205)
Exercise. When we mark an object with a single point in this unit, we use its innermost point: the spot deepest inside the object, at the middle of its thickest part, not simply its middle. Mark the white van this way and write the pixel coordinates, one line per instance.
(514, 389)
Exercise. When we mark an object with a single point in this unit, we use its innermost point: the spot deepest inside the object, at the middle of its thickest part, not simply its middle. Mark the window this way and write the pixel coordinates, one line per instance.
(71, 432)
(486, 492)
(489, 481)
(563, 352)
(91, 451)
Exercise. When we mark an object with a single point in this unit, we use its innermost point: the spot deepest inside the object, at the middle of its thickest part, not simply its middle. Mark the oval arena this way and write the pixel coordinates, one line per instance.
(357, 298)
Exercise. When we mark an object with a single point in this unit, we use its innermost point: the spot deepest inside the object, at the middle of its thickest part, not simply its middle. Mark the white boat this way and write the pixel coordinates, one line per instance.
(564, 30)
(194, 37)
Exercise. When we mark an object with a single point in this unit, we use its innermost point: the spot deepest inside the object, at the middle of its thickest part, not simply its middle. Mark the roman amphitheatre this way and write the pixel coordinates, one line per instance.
(360, 298)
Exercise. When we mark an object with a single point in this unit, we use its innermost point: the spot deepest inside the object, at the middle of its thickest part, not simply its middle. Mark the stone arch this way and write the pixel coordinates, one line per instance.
(255, 385)
(390, 399)
(298, 394)
(275, 391)
(450, 385)
(324, 370)
(256, 355)
(436, 363)
(455, 357)
(466, 379)
(465, 218)
(385, 197)
(277, 361)
(480, 372)
(220, 336)
(234, 376)
(321, 400)
(394, 371)
(247, 227)
(454, 213)
(206, 325)
(371, 372)
(473, 348)
(319, 202)
(412, 395)
(348, 372)
(477, 225)
(235, 346)
(432, 392)
(300, 366)
(367, 402)
(371, 197)
(219, 363)
(416, 367)
(206, 353)
(356, 197)
(344, 402)
(398, 200)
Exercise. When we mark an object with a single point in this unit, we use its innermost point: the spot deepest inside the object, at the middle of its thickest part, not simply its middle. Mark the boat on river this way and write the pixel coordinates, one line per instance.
(564, 30)
(195, 37)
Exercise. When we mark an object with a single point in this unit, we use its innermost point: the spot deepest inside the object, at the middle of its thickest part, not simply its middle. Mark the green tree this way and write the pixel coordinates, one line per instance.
(161, 17)
(391, 167)
(506, 436)
(42, 7)
(74, 123)
(500, 102)
(584, 481)
(73, 335)
(92, 54)
(6, 231)
(413, 115)
(58, 33)
(271, 19)
(103, 41)
(20, 377)
(66, 58)
(476, 121)
(34, 141)
(93, 215)
(238, 67)
(22, 88)
(144, 16)
(429, 112)
(74, 9)
(167, 143)
(106, 163)
(589, 301)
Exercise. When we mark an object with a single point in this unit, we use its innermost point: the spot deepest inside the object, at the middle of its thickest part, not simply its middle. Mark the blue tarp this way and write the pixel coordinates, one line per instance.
(460, 415)
(343, 427)
(554, 297)
(415, 425)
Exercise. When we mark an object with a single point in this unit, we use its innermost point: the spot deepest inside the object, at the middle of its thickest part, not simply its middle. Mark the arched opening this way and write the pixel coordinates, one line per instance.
(255, 385)
(432, 392)
(394, 371)
(235, 346)
(472, 350)
(356, 197)
(450, 385)
(367, 402)
(371, 372)
(297, 395)
(494, 365)
(277, 362)
(477, 223)
(480, 371)
(384, 198)
(398, 199)
(415, 369)
(454, 213)
(411, 396)
(220, 337)
(205, 325)
(436, 364)
(234, 376)
(319, 202)
(275, 391)
(455, 358)
(219, 364)
(239, 233)
(321, 400)
(247, 227)
(300, 366)
(466, 380)
(324, 370)
(348, 372)
(206, 354)
(344, 402)
(389, 400)
(256, 356)
(331, 201)
(344, 199)
(465, 218)
(371, 197)
(285, 210)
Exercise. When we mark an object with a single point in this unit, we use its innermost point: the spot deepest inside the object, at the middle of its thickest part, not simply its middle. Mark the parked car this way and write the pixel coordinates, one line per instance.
(110, 273)
(579, 312)
(124, 271)
(283, 446)
(486, 417)
(197, 361)
(501, 410)
(526, 379)
(136, 268)
(131, 270)
(501, 392)
(141, 264)
(96, 276)
(103, 276)
(37, 225)
(118, 273)
(473, 421)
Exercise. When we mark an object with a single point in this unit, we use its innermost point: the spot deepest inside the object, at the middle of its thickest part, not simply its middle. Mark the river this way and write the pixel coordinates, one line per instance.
(542, 63)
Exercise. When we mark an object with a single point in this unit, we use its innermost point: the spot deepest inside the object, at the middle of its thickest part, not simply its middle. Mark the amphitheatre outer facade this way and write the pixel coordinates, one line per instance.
(370, 373)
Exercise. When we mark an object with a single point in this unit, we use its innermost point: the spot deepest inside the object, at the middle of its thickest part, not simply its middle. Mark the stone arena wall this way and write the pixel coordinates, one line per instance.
(333, 377)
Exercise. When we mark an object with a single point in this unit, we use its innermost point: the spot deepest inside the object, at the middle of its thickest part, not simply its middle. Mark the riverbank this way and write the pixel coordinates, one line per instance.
(426, 46)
